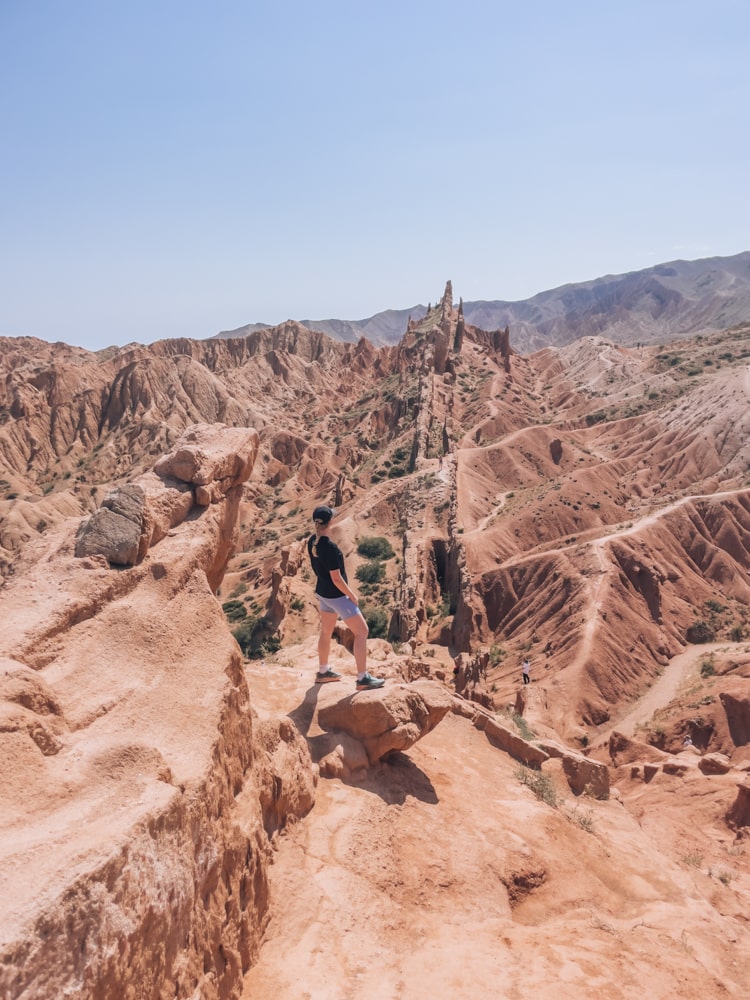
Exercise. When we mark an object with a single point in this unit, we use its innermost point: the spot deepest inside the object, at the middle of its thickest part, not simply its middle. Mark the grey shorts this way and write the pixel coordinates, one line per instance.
(343, 607)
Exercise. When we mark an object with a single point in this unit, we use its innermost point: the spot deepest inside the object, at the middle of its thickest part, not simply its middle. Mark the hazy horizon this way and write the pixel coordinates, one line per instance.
(174, 170)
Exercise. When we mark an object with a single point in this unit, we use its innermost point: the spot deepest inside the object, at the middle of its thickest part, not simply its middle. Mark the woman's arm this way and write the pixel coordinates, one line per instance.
(343, 586)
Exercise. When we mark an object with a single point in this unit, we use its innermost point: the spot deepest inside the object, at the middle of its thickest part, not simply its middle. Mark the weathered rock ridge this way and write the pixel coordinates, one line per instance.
(141, 790)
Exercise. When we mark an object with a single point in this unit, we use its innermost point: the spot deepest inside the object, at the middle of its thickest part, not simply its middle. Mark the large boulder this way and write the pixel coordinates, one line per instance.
(114, 530)
(207, 465)
(391, 719)
(211, 453)
(739, 814)
(582, 773)
(736, 703)
(715, 763)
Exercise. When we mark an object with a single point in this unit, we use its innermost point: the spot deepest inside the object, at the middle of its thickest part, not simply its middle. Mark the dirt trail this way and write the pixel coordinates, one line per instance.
(676, 675)
(609, 535)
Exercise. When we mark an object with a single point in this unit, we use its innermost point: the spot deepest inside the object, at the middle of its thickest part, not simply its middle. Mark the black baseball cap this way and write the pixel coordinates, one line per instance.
(323, 514)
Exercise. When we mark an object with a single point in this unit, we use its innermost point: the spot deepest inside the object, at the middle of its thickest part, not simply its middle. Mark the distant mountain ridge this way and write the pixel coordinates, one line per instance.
(676, 299)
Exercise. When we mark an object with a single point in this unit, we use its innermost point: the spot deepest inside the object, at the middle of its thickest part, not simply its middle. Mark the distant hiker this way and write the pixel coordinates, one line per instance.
(687, 742)
(336, 600)
(526, 671)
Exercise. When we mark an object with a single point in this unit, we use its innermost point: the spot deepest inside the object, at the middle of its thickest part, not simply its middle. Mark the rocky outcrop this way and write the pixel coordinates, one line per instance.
(207, 464)
(715, 763)
(624, 750)
(582, 773)
(506, 739)
(736, 704)
(738, 817)
(142, 792)
(389, 720)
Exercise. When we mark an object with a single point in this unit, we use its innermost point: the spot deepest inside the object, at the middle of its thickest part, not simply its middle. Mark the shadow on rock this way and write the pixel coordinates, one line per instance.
(397, 778)
(304, 713)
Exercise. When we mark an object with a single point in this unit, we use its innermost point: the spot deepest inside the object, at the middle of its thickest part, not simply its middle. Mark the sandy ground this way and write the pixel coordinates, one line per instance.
(441, 876)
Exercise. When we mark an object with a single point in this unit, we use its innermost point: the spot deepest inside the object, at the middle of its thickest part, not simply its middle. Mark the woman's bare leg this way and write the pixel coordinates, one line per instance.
(358, 626)
(328, 621)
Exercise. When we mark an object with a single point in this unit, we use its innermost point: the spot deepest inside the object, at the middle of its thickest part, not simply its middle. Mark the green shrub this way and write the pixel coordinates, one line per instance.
(496, 655)
(595, 418)
(245, 633)
(707, 668)
(234, 610)
(585, 819)
(372, 571)
(255, 638)
(375, 548)
(377, 621)
(700, 631)
(297, 604)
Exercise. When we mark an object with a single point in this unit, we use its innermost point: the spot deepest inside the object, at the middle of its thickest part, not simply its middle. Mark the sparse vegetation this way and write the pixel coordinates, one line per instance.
(496, 655)
(527, 733)
(255, 637)
(700, 631)
(583, 818)
(234, 610)
(726, 877)
(375, 548)
(707, 667)
(540, 784)
(716, 606)
(372, 571)
(694, 860)
(377, 621)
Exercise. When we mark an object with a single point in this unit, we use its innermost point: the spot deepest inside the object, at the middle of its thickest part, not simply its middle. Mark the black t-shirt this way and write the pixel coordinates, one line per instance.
(325, 555)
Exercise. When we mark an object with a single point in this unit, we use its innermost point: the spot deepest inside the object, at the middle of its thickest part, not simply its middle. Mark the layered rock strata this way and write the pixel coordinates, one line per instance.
(141, 791)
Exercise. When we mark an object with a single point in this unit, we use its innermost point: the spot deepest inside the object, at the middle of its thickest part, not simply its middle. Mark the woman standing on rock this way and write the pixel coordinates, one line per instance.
(336, 600)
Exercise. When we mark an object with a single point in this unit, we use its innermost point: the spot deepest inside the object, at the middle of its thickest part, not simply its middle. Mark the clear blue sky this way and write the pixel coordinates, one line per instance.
(175, 168)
